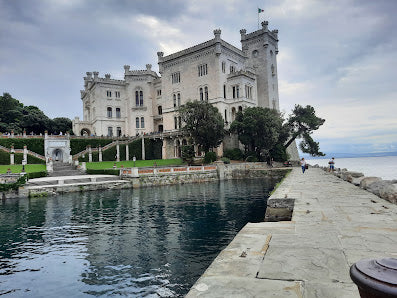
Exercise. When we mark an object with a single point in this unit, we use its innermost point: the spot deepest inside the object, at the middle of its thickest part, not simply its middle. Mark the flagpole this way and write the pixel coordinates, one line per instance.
(258, 18)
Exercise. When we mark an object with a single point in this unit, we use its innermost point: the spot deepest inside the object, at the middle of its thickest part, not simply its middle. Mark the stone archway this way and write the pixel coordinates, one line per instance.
(85, 132)
(57, 155)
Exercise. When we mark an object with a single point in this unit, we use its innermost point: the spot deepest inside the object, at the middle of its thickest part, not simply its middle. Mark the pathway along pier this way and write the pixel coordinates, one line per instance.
(334, 224)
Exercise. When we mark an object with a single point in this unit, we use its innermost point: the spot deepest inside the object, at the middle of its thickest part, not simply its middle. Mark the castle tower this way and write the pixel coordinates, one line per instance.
(261, 48)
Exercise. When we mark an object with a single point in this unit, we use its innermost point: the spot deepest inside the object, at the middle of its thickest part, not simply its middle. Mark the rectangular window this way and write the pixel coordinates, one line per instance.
(142, 122)
(175, 123)
(109, 112)
(232, 68)
(238, 92)
(234, 91)
(176, 77)
(223, 66)
(118, 113)
(224, 91)
(158, 92)
(202, 70)
(137, 122)
(117, 94)
(179, 99)
(119, 131)
(248, 92)
(109, 93)
(110, 131)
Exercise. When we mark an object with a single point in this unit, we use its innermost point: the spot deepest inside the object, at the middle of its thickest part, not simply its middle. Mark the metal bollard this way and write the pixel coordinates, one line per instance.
(375, 278)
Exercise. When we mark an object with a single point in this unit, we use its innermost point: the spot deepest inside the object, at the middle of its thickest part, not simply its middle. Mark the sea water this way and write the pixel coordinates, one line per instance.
(384, 167)
(148, 242)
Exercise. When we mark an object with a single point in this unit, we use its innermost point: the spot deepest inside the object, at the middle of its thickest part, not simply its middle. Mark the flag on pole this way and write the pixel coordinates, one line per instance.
(260, 10)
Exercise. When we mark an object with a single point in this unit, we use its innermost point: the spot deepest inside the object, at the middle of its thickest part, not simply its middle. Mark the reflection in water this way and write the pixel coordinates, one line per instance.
(145, 242)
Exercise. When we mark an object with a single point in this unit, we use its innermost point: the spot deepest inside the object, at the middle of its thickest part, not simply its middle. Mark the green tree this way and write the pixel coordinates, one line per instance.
(61, 124)
(34, 120)
(258, 129)
(188, 153)
(301, 124)
(203, 123)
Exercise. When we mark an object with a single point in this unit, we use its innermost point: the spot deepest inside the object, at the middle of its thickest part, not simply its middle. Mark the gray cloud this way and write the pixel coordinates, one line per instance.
(339, 56)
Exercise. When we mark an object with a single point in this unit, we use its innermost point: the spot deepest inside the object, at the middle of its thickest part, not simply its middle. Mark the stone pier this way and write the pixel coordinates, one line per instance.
(334, 224)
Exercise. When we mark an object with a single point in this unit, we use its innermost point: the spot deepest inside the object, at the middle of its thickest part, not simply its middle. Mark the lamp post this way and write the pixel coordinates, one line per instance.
(134, 160)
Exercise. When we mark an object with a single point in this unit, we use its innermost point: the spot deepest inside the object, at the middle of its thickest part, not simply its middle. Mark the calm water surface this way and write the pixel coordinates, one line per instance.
(384, 166)
(150, 242)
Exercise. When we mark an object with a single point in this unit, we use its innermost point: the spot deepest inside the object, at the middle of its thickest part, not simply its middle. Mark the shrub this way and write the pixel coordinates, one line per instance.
(233, 154)
(209, 157)
(252, 158)
(37, 174)
(103, 172)
(188, 153)
(225, 160)
(14, 186)
(279, 153)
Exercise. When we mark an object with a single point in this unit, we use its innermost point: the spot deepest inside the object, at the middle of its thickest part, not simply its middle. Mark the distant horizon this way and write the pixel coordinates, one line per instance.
(350, 155)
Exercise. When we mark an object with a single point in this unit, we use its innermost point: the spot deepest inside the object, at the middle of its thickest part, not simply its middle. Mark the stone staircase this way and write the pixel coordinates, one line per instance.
(64, 169)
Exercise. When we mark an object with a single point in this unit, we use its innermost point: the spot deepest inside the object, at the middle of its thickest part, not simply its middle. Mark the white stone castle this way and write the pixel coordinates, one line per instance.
(214, 71)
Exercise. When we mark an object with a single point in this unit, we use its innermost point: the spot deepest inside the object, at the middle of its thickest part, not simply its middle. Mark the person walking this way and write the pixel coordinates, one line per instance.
(303, 164)
(331, 164)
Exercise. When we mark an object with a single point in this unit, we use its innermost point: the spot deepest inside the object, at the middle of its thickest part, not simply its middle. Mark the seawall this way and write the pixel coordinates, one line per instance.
(146, 177)
(333, 225)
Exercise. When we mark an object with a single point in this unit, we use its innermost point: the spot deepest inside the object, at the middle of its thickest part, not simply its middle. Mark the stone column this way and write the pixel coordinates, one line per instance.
(89, 153)
(164, 149)
(100, 153)
(143, 148)
(127, 152)
(83, 166)
(117, 151)
(12, 159)
(49, 165)
(25, 154)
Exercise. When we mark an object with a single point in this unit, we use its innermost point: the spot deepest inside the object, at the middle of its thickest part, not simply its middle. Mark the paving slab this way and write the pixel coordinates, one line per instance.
(334, 224)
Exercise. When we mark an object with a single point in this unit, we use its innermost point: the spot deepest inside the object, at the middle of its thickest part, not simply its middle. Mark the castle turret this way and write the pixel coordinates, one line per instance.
(261, 47)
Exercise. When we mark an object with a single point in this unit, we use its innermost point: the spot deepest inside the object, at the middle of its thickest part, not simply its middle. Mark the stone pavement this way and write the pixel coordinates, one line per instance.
(334, 224)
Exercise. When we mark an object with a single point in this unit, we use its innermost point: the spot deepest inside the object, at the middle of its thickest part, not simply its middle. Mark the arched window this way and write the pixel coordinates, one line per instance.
(160, 108)
(175, 123)
(142, 122)
(179, 122)
(137, 122)
(137, 98)
(224, 91)
(240, 108)
(109, 112)
(206, 93)
(201, 94)
(141, 98)
(118, 113)
(179, 99)
(174, 100)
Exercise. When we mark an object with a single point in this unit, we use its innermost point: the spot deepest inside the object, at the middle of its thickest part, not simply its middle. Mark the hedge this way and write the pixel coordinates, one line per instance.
(37, 174)
(35, 145)
(153, 150)
(18, 157)
(78, 145)
(103, 172)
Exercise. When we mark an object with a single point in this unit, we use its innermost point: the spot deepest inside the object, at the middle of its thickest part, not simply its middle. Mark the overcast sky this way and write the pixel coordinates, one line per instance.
(338, 56)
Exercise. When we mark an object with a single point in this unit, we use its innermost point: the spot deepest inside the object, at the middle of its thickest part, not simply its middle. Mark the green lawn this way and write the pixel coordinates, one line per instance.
(18, 168)
(130, 163)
